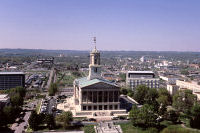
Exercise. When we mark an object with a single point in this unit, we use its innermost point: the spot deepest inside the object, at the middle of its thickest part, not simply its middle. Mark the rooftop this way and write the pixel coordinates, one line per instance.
(140, 72)
(3, 97)
(10, 73)
(83, 82)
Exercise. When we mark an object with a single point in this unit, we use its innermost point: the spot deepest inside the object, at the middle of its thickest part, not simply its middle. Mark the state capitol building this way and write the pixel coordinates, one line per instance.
(93, 95)
(94, 92)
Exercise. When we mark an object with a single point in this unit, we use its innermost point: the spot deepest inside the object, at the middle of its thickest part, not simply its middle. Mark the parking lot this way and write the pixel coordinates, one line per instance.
(48, 105)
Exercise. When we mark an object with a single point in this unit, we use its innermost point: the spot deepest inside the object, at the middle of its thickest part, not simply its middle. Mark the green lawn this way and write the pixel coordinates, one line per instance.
(168, 127)
(68, 80)
(178, 129)
(128, 128)
(29, 130)
(38, 107)
(88, 129)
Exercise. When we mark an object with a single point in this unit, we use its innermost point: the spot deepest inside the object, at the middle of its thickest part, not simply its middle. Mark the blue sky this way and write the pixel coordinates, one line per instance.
(147, 25)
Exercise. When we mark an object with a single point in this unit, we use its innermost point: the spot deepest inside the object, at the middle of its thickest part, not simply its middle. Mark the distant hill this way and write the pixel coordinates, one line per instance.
(105, 54)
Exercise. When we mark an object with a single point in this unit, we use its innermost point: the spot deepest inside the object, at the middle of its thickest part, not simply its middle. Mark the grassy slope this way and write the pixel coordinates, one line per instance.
(89, 129)
(170, 128)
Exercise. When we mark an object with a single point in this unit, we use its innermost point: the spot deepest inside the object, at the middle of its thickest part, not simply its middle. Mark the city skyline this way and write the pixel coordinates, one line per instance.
(130, 25)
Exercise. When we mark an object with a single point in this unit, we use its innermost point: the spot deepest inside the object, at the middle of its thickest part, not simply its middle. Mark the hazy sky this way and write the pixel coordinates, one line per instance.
(118, 24)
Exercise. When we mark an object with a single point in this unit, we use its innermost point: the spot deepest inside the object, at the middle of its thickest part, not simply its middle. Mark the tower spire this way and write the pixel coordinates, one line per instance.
(95, 41)
(94, 67)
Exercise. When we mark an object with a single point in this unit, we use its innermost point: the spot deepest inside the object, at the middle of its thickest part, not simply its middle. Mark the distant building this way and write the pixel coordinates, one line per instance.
(135, 78)
(49, 61)
(191, 85)
(195, 66)
(4, 100)
(169, 78)
(172, 89)
(143, 59)
(10, 80)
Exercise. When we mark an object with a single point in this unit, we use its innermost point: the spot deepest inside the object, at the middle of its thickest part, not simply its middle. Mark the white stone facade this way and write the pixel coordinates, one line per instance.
(136, 78)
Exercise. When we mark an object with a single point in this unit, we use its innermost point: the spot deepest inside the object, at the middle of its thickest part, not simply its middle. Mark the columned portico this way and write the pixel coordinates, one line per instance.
(102, 100)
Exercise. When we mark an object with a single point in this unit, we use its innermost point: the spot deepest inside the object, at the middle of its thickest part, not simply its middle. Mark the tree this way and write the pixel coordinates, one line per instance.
(134, 115)
(195, 117)
(163, 100)
(147, 115)
(150, 98)
(140, 94)
(33, 121)
(53, 89)
(49, 120)
(164, 92)
(172, 115)
(18, 89)
(122, 76)
(10, 113)
(16, 100)
(130, 93)
(195, 109)
(76, 74)
(3, 119)
(17, 95)
(66, 118)
(183, 100)
(143, 117)
(184, 72)
(41, 118)
(124, 91)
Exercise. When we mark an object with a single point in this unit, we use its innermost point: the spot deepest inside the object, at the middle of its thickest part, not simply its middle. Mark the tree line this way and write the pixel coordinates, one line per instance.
(159, 105)
(9, 113)
(36, 120)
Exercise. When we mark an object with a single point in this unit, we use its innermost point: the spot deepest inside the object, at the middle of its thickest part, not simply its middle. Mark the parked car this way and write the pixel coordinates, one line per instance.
(85, 119)
(92, 119)
(115, 118)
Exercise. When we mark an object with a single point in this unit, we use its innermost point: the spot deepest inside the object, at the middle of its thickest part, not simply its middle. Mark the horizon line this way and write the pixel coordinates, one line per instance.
(98, 49)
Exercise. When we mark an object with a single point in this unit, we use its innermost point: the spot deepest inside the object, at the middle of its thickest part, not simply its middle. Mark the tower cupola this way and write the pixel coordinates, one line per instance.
(94, 67)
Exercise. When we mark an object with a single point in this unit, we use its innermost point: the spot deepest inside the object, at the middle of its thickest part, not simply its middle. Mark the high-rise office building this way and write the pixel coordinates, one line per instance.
(135, 78)
(10, 80)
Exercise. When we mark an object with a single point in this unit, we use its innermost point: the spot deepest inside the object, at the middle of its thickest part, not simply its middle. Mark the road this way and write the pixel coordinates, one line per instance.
(50, 78)
(75, 122)
(52, 102)
(21, 127)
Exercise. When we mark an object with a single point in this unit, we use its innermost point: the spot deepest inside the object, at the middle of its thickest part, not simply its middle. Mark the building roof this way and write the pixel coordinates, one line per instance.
(83, 82)
(3, 97)
(141, 72)
(10, 73)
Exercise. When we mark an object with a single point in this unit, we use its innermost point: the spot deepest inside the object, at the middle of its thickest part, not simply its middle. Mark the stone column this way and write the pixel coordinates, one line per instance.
(86, 96)
(80, 96)
(74, 91)
(92, 97)
(97, 96)
(108, 96)
(113, 100)
(118, 96)
(102, 96)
